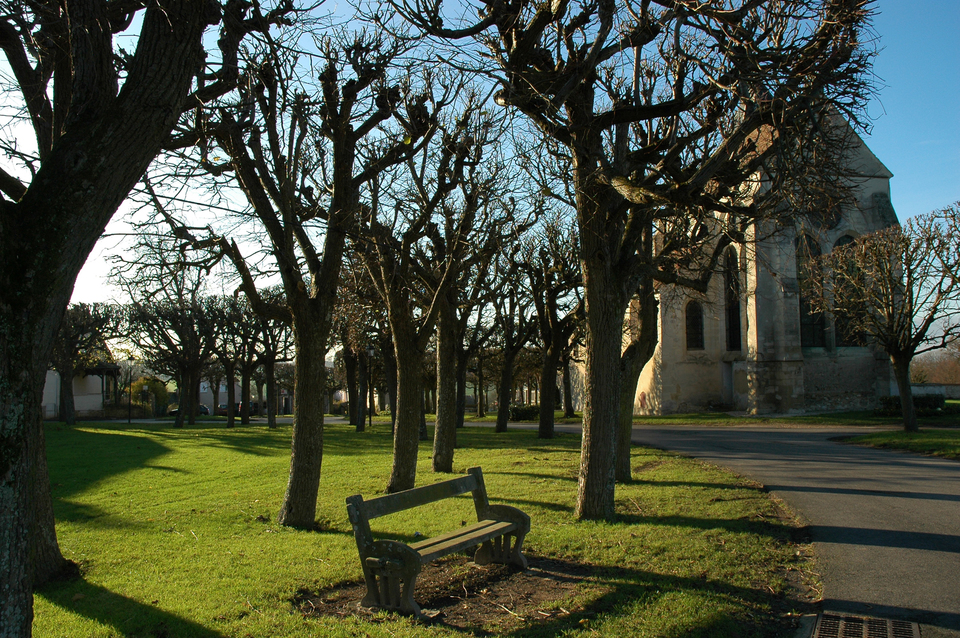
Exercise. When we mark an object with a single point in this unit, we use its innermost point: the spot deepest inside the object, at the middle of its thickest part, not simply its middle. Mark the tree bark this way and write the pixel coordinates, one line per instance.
(359, 408)
(548, 383)
(505, 392)
(350, 368)
(48, 234)
(68, 411)
(245, 376)
(901, 372)
(390, 373)
(643, 341)
(461, 390)
(445, 430)
(299, 507)
(231, 373)
(406, 438)
(606, 298)
(270, 372)
(568, 410)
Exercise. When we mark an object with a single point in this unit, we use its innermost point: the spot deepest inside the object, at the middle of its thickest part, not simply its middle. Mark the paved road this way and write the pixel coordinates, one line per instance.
(885, 525)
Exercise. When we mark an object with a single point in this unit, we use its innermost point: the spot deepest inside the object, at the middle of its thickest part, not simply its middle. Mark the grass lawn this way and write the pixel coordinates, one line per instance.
(945, 443)
(175, 534)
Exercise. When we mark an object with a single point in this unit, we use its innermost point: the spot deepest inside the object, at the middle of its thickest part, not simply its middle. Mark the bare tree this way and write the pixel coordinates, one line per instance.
(81, 344)
(84, 104)
(165, 321)
(669, 111)
(554, 278)
(898, 287)
(516, 326)
(415, 240)
(293, 151)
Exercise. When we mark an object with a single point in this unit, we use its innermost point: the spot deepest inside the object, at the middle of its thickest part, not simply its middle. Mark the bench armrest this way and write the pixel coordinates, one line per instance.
(511, 514)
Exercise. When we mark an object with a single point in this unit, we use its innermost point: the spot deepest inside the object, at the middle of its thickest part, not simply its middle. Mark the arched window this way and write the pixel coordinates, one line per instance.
(694, 326)
(813, 325)
(731, 299)
(846, 333)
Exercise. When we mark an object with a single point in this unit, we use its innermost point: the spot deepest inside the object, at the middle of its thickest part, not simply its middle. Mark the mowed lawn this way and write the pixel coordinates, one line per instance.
(175, 534)
(945, 443)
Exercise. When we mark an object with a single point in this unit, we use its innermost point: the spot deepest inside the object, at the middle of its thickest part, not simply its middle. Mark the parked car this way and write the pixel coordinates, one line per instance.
(174, 410)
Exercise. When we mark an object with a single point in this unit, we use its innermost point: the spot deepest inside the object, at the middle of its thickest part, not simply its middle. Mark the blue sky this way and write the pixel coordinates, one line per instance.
(916, 118)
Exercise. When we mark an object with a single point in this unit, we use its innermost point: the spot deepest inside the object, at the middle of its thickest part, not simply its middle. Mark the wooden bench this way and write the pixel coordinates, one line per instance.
(390, 567)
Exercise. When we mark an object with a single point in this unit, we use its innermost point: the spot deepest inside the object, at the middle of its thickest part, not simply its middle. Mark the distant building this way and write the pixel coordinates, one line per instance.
(751, 343)
(92, 392)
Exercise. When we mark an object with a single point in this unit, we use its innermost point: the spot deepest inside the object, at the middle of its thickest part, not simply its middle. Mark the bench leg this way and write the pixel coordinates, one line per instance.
(390, 585)
(504, 549)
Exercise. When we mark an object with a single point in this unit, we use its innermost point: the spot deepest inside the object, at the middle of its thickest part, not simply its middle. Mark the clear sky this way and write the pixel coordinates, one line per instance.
(916, 117)
(916, 120)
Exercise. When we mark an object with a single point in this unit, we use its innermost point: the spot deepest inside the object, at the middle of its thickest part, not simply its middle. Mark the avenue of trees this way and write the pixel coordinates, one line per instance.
(296, 153)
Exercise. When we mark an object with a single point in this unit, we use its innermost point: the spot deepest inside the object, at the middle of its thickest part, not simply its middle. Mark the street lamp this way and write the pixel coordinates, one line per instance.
(370, 384)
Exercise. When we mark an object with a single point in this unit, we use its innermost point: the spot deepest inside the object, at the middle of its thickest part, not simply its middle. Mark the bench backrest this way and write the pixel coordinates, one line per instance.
(361, 511)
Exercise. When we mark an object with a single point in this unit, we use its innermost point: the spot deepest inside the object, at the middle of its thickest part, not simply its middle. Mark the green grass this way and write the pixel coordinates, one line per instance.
(945, 443)
(861, 417)
(175, 535)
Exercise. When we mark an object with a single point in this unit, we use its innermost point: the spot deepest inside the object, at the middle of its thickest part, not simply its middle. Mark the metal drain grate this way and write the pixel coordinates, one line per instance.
(837, 626)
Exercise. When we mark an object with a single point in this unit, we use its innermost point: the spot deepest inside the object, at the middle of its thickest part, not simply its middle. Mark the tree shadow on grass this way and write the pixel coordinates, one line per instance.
(128, 617)
(80, 458)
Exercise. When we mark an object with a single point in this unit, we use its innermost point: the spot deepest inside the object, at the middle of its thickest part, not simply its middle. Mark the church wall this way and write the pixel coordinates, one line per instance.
(845, 379)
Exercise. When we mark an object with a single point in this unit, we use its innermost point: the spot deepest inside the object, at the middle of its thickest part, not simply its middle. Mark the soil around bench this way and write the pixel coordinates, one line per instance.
(482, 600)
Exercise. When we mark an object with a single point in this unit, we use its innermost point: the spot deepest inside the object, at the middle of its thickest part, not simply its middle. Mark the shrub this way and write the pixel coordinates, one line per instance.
(925, 405)
(524, 412)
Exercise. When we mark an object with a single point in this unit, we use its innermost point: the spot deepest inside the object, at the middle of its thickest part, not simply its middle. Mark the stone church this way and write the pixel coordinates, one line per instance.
(751, 342)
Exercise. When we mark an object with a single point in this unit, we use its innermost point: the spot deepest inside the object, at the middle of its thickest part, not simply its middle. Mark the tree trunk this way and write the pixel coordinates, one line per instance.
(20, 402)
(505, 392)
(406, 438)
(230, 369)
(193, 395)
(445, 430)
(68, 412)
(481, 408)
(245, 373)
(568, 410)
(350, 368)
(548, 383)
(359, 410)
(390, 373)
(270, 372)
(461, 389)
(901, 371)
(299, 507)
(644, 337)
(214, 394)
(47, 235)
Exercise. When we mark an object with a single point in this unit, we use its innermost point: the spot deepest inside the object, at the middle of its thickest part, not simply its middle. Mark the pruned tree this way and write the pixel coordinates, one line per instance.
(165, 321)
(84, 104)
(898, 287)
(414, 239)
(229, 317)
(292, 148)
(81, 344)
(552, 269)
(516, 326)
(670, 111)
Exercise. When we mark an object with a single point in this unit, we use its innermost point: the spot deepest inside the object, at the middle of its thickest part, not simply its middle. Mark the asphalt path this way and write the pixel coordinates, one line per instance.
(885, 525)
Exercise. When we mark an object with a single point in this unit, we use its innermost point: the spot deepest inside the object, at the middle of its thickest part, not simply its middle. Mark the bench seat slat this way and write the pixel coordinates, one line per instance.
(463, 538)
(392, 503)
